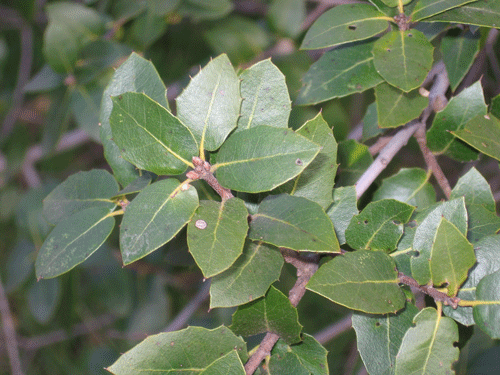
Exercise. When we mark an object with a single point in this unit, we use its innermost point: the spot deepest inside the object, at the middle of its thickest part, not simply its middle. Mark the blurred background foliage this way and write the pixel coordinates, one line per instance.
(56, 59)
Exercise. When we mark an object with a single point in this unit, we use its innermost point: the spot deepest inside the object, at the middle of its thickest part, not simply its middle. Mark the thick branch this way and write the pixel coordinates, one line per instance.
(306, 266)
(10, 333)
(429, 290)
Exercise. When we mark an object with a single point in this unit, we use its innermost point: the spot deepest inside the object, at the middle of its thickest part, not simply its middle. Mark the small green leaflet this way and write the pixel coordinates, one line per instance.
(137, 121)
(216, 234)
(362, 280)
(475, 190)
(295, 223)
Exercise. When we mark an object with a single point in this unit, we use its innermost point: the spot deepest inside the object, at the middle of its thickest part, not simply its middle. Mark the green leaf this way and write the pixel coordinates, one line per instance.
(488, 261)
(379, 226)
(137, 121)
(395, 3)
(19, 264)
(274, 313)
(482, 222)
(354, 159)
(229, 363)
(72, 241)
(451, 257)
(287, 363)
(78, 192)
(342, 210)
(352, 279)
(191, 350)
(137, 185)
(396, 107)
(262, 158)
(216, 234)
(475, 190)
(136, 74)
(265, 97)
(427, 8)
(403, 58)
(460, 109)
(343, 24)
(287, 16)
(162, 7)
(379, 338)
(44, 298)
(479, 13)
(85, 102)
(295, 223)
(455, 212)
(402, 255)
(495, 106)
(487, 315)
(316, 181)
(210, 104)
(248, 278)
(71, 27)
(154, 217)
(459, 52)
(370, 123)
(199, 10)
(428, 348)
(45, 80)
(409, 185)
(340, 72)
(310, 353)
(482, 133)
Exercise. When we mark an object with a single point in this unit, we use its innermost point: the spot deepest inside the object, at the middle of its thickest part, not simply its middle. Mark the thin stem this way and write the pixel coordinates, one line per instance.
(10, 333)
(429, 290)
(306, 266)
(334, 330)
(203, 171)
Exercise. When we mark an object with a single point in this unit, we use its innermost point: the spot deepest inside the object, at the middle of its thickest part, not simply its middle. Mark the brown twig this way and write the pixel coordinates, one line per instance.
(10, 333)
(429, 290)
(306, 266)
(203, 171)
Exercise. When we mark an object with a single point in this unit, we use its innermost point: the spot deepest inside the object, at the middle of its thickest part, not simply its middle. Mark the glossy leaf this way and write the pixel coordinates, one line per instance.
(427, 8)
(265, 97)
(482, 133)
(461, 109)
(210, 104)
(248, 278)
(156, 215)
(309, 352)
(262, 158)
(409, 185)
(479, 13)
(295, 223)
(193, 348)
(352, 279)
(482, 222)
(340, 72)
(396, 107)
(136, 121)
(379, 338)
(342, 210)
(273, 313)
(343, 24)
(428, 348)
(316, 181)
(44, 298)
(354, 159)
(487, 315)
(488, 262)
(72, 241)
(451, 257)
(136, 74)
(403, 58)
(78, 192)
(216, 234)
(379, 226)
(475, 190)
(454, 211)
(458, 55)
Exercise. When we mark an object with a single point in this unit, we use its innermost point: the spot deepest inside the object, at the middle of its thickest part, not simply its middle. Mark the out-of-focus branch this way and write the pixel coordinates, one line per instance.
(10, 333)
(437, 101)
(334, 330)
(35, 153)
(306, 266)
(10, 17)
